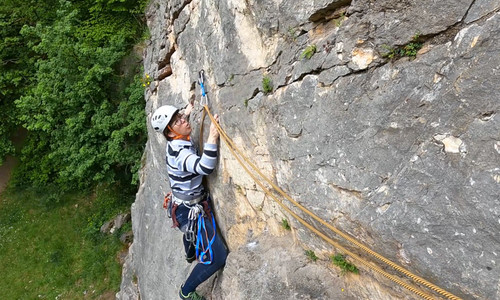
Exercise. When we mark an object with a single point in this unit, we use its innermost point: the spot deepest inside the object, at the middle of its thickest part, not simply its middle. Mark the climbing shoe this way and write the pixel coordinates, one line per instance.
(193, 296)
(191, 259)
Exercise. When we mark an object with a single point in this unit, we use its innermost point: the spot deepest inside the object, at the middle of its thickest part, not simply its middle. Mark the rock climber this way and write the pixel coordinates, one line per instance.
(185, 172)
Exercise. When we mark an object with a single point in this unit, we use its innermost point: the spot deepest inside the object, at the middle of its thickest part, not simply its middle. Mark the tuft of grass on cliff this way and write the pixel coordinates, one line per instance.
(54, 250)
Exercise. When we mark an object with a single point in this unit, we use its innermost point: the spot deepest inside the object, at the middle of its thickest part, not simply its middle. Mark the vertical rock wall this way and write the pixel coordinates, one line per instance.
(402, 153)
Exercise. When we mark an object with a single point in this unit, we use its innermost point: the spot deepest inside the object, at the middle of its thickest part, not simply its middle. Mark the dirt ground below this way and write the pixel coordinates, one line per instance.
(10, 161)
(5, 171)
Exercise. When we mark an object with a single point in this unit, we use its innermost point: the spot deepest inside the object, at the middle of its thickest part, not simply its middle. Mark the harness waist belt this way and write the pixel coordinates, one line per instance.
(179, 201)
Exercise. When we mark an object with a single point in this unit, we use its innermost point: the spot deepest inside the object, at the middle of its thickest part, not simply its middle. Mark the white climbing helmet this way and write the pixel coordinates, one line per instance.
(162, 117)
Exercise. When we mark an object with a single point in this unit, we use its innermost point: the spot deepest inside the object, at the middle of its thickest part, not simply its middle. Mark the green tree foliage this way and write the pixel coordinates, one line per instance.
(17, 60)
(83, 128)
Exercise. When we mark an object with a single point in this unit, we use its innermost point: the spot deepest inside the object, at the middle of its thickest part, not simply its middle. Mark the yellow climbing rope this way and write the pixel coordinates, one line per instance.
(239, 156)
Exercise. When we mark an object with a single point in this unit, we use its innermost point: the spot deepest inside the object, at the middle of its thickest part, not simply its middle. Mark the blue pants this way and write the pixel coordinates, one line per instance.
(201, 272)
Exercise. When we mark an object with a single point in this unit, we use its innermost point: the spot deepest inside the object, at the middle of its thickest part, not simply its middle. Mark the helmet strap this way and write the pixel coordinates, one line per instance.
(178, 136)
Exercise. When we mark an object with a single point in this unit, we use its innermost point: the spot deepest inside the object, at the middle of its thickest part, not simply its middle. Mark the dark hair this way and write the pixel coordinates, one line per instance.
(170, 124)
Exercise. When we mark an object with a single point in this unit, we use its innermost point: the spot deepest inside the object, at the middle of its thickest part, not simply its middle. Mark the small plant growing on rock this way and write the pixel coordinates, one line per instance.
(340, 261)
(146, 80)
(308, 52)
(389, 52)
(291, 34)
(409, 50)
(311, 255)
(229, 81)
(238, 188)
(267, 85)
(285, 225)
(338, 21)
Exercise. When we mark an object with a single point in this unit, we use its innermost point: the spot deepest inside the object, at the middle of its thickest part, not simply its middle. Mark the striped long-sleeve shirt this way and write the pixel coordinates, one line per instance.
(186, 168)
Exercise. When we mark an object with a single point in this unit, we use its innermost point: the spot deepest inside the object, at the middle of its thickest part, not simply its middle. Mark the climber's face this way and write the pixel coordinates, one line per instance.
(181, 124)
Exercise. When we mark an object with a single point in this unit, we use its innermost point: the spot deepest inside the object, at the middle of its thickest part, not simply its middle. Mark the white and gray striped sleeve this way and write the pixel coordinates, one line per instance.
(204, 165)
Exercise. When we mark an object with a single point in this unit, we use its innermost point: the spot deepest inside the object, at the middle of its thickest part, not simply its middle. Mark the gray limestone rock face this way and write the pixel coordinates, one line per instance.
(401, 153)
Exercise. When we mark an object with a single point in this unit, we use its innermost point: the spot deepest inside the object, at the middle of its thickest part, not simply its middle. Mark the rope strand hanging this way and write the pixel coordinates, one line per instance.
(239, 156)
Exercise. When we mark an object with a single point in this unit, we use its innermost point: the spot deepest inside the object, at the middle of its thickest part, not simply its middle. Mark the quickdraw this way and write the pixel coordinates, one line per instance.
(201, 81)
(195, 213)
(203, 103)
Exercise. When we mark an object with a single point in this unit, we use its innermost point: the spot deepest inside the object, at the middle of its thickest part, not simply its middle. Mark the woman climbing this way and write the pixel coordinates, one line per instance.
(191, 212)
